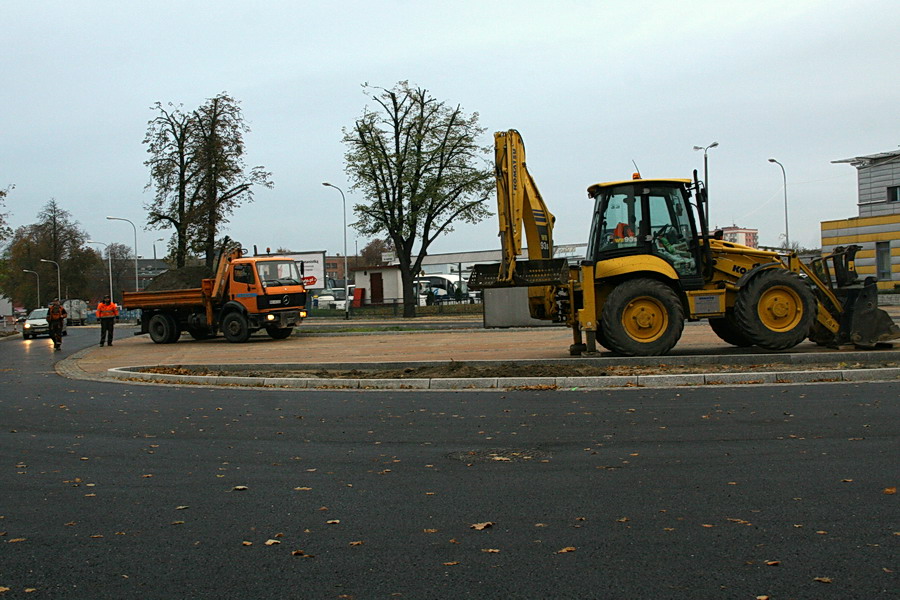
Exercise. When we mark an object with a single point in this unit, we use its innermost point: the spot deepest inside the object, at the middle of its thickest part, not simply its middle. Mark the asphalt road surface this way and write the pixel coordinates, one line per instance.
(111, 490)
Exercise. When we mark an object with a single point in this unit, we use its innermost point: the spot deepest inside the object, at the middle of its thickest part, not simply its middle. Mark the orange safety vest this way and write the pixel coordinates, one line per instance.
(105, 311)
(56, 313)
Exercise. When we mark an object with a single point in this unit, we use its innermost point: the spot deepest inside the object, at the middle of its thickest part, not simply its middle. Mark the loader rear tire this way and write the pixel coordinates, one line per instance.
(775, 310)
(641, 317)
(729, 331)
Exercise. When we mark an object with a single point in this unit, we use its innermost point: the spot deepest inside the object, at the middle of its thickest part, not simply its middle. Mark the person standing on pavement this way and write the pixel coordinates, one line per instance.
(107, 312)
(56, 316)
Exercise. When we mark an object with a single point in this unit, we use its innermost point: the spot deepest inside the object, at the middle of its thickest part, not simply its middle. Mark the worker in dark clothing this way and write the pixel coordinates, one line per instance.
(56, 316)
(107, 312)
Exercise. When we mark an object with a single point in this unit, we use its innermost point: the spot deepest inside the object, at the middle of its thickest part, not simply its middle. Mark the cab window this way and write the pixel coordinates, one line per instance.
(243, 274)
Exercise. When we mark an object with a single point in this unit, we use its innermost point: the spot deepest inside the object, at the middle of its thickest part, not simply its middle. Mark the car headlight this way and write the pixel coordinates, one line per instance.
(27, 325)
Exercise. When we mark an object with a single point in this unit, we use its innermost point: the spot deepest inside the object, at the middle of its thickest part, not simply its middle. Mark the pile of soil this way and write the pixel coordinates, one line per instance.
(180, 279)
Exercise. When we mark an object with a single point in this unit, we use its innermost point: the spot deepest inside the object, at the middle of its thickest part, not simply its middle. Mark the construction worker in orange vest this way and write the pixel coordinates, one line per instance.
(56, 317)
(107, 312)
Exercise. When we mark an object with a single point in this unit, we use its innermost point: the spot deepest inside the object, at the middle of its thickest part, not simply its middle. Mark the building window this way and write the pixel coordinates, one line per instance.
(893, 193)
(883, 260)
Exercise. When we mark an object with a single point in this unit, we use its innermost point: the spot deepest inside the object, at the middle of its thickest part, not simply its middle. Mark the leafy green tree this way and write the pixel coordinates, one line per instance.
(418, 163)
(5, 230)
(372, 254)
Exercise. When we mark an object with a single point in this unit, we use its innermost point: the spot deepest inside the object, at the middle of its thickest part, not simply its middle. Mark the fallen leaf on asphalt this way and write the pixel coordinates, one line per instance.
(357, 543)
(846, 480)
(490, 550)
(566, 549)
(762, 598)
(452, 563)
(272, 542)
(239, 488)
(429, 531)
(820, 532)
(14, 540)
(773, 563)
(707, 525)
(177, 522)
(332, 522)
(890, 491)
(481, 526)
(245, 543)
(3, 590)
(622, 520)
(181, 507)
(302, 489)
(302, 554)
(822, 579)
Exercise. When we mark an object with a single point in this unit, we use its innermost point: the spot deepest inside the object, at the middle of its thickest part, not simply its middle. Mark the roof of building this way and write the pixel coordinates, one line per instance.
(869, 160)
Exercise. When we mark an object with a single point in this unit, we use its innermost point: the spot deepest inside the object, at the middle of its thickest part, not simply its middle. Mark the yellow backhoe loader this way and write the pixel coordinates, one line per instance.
(651, 264)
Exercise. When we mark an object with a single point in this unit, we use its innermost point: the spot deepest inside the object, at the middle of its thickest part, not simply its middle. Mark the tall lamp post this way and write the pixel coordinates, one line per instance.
(38, 275)
(787, 237)
(135, 249)
(706, 163)
(59, 293)
(346, 271)
(109, 261)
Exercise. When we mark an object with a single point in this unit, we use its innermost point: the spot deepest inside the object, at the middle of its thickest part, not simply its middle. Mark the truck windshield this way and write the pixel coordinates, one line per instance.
(278, 272)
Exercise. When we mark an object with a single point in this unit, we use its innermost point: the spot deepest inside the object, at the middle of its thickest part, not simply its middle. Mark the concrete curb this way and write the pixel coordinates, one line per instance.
(133, 374)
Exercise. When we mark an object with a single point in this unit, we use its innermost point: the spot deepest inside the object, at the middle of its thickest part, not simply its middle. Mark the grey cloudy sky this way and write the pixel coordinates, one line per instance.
(591, 86)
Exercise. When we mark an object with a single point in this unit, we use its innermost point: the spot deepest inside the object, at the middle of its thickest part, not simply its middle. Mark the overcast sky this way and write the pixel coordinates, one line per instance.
(591, 85)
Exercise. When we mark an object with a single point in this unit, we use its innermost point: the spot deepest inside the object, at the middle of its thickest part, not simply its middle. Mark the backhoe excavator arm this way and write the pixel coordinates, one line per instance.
(520, 209)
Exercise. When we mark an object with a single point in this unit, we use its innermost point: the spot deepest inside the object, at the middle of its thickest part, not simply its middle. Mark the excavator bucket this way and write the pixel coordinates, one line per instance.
(867, 325)
(528, 273)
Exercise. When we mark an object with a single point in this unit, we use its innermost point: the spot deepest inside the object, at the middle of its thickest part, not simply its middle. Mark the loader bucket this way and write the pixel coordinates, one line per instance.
(528, 273)
(868, 324)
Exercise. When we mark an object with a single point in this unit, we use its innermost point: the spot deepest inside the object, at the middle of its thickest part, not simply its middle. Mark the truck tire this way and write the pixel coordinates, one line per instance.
(235, 328)
(775, 310)
(163, 329)
(729, 331)
(641, 317)
(279, 333)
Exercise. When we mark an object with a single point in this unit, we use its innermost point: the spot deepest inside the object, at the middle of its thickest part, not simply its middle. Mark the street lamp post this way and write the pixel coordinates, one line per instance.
(135, 249)
(58, 279)
(346, 271)
(36, 274)
(706, 163)
(787, 237)
(109, 260)
(154, 246)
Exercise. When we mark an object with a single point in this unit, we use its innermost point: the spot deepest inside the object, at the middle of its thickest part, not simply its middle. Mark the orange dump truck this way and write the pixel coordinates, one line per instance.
(248, 293)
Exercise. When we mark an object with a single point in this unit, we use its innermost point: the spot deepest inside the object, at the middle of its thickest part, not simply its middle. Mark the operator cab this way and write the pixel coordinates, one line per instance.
(646, 217)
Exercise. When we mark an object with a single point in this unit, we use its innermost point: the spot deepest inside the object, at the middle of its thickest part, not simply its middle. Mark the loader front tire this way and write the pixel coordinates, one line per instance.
(729, 331)
(641, 317)
(775, 310)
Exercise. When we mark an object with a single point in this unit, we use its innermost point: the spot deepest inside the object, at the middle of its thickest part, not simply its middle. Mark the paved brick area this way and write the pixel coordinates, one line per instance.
(307, 346)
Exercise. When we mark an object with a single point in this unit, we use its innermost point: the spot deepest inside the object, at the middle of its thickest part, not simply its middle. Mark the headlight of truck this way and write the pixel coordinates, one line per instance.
(270, 317)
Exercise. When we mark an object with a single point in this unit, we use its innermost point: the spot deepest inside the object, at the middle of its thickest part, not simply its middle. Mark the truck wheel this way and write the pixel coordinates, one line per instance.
(641, 317)
(163, 329)
(279, 333)
(235, 328)
(775, 310)
(729, 331)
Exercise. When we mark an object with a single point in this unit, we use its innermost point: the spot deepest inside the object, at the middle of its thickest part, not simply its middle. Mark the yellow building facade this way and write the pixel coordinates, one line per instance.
(877, 226)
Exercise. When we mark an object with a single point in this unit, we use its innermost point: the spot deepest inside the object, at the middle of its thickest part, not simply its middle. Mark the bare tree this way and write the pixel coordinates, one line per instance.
(418, 163)
(219, 151)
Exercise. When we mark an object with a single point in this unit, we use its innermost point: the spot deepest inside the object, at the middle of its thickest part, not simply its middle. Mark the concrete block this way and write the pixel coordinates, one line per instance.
(807, 376)
(290, 382)
(670, 380)
(888, 374)
(739, 378)
(597, 382)
(462, 383)
(509, 382)
(394, 384)
(352, 384)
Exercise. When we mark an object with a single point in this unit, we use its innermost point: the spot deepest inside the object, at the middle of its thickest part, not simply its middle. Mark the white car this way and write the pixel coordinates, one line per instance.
(36, 324)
